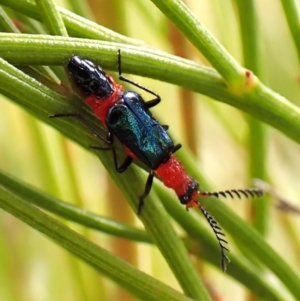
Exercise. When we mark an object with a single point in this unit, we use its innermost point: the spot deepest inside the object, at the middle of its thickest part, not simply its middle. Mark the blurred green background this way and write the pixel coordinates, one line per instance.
(31, 266)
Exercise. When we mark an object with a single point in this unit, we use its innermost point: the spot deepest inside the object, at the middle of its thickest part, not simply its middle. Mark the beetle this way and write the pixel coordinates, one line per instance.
(126, 116)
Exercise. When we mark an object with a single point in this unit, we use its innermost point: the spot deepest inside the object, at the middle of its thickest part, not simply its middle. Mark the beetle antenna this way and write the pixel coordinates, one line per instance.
(219, 235)
(249, 192)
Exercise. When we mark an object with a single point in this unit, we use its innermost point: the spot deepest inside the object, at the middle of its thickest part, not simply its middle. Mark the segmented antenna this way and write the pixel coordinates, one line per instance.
(249, 192)
(218, 233)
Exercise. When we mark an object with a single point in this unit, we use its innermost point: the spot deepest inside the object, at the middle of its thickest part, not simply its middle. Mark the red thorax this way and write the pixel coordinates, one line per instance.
(101, 106)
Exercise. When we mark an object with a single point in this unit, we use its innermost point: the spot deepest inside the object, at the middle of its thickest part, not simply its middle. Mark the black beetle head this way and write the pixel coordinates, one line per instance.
(88, 78)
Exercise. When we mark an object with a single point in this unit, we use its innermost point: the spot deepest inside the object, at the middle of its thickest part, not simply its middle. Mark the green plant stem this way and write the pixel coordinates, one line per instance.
(51, 17)
(257, 136)
(199, 36)
(238, 269)
(206, 247)
(71, 212)
(40, 100)
(292, 15)
(250, 99)
(260, 101)
(244, 234)
(7, 25)
(204, 243)
(156, 222)
(138, 283)
(76, 25)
